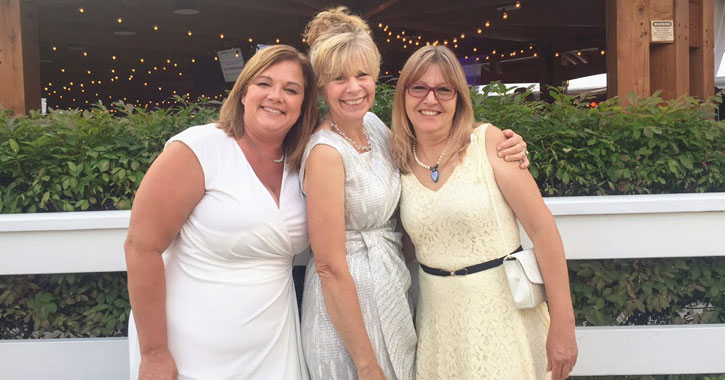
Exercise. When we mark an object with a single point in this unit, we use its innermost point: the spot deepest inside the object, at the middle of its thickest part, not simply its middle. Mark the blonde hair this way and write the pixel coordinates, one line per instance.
(231, 115)
(463, 120)
(340, 43)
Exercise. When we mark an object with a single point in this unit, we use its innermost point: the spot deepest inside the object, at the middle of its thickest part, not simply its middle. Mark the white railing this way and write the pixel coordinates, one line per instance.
(608, 227)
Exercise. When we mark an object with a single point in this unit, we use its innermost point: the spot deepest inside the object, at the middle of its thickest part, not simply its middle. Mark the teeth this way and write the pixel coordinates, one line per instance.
(353, 102)
(429, 113)
(272, 110)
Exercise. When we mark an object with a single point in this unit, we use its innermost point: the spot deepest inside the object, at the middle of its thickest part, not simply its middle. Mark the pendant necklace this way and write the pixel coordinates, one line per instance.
(276, 161)
(433, 169)
(359, 147)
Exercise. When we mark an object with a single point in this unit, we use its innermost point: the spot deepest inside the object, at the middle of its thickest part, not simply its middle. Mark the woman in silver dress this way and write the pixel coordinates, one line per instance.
(356, 314)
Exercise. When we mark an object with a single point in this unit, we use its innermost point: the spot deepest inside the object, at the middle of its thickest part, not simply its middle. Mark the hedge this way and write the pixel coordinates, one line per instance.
(95, 159)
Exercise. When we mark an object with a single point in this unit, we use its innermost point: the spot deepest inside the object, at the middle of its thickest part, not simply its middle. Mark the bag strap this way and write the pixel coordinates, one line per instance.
(481, 175)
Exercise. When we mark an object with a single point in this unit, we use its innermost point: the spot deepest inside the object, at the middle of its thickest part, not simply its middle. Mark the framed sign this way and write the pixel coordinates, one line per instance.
(231, 62)
(662, 31)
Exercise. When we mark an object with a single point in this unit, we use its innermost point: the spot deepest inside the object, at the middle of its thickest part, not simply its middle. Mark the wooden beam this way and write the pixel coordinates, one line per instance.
(628, 68)
(670, 62)
(702, 60)
(19, 62)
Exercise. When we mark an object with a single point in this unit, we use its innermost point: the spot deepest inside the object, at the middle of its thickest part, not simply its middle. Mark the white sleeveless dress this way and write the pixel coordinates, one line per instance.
(230, 299)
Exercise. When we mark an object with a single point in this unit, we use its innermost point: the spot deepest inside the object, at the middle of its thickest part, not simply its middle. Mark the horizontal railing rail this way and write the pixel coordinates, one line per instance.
(605, 227)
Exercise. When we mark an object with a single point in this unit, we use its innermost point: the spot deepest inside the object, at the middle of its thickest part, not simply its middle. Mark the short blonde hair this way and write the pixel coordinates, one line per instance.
(340, 43)
(463, 120)
(231, 115)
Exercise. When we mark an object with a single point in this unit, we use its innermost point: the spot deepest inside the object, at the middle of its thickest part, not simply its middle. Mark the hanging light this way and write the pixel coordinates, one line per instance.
(186, 8)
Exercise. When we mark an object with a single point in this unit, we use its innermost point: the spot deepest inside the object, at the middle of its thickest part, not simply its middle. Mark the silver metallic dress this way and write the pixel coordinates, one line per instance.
(374, 257)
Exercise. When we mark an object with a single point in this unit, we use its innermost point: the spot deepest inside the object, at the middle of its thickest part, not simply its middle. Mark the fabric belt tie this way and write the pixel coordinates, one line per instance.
(391, 280)
(467, 270)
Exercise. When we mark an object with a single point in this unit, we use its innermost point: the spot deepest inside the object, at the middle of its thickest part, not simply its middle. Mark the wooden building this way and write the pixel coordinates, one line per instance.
(75, 53)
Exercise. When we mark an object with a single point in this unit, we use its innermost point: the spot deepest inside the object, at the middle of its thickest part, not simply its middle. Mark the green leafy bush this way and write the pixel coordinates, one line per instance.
(63, 305)
(648, 146)
(84, 160)
(94, 160)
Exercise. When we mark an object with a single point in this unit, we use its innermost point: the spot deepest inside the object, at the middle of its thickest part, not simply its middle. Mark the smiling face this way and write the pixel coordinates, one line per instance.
(273, 100)
(350, 96)
(430, 115)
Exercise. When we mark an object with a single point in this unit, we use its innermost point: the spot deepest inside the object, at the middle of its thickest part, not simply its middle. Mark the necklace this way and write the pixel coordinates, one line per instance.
(355, 145)
(433, 169)
(266, 157)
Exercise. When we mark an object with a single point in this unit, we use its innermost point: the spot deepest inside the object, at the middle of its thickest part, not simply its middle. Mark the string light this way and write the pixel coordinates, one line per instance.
(119, 20)
(156, 28)
(81, 10)
(54, 48)
(85, 54)
(488, 24)
(505, 16)
(221, 36)
(517, 5)
(113, 57)
(189, 32)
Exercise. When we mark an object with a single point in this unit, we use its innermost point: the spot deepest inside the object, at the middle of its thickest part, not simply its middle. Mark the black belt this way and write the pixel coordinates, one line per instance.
(469, 269)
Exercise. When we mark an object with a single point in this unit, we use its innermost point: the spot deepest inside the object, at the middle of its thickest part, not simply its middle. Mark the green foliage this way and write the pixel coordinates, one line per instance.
(648, 291)
(648, 377)
(648, 146)
(94, 160)
(84, 160)
(63, 305)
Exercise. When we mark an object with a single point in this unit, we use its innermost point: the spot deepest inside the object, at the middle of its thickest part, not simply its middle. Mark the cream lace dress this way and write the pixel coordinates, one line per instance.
(468, 326)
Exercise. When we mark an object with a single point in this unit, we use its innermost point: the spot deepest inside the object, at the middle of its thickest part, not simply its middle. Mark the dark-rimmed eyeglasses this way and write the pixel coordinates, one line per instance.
(419, 90)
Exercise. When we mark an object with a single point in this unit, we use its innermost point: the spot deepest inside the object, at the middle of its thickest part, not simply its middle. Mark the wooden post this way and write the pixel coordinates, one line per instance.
(682, 67)
(628, 67)
(702, 45)
(19, 57)
(670, 62)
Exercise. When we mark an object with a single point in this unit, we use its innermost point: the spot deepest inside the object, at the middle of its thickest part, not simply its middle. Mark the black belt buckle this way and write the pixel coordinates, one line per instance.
(460, 272)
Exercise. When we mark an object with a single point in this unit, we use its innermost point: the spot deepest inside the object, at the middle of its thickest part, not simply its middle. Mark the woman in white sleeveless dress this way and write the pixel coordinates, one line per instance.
(222, 206)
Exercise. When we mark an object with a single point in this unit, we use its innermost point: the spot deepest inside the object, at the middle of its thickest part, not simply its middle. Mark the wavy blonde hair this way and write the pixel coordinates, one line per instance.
(340, 43)
(231, 115)
(401, 145)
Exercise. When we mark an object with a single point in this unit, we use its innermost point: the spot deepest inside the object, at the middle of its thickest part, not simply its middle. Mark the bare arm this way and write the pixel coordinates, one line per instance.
(324, 183)
(170, 190)
(522, 194)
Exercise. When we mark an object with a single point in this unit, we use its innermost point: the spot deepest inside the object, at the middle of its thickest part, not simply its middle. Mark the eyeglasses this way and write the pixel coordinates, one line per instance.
(419, 90)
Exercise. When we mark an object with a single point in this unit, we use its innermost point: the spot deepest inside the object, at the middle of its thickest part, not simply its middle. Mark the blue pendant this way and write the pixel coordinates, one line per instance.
(434, 174)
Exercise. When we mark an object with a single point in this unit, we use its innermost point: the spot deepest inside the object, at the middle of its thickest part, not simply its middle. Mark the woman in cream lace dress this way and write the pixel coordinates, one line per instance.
(459, 206)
